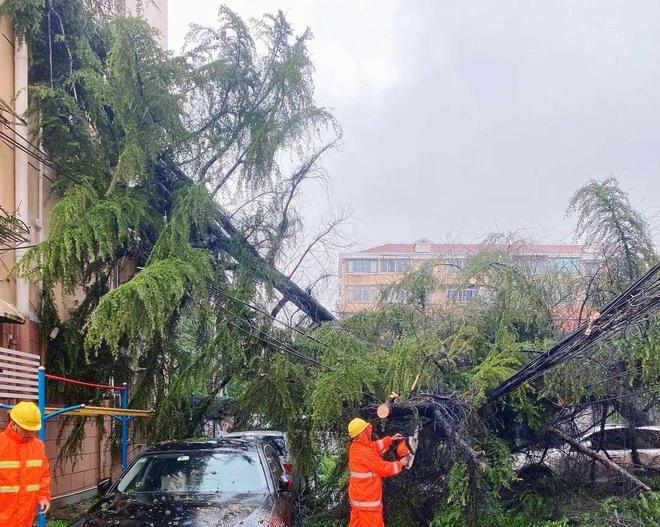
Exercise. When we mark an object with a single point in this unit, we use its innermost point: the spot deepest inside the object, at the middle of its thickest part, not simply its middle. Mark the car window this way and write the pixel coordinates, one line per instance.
(614, 439)
(273, 463)
(205, 472)
(647, 439)
(277, 443)
(617, 439)
(281, 445)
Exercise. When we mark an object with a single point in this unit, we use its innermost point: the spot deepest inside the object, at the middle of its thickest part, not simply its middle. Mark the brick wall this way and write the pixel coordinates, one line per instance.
(83, 472)
(23, 337)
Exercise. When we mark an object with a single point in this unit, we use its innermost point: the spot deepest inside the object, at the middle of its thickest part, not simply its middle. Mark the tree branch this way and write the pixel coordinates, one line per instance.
(601, 459)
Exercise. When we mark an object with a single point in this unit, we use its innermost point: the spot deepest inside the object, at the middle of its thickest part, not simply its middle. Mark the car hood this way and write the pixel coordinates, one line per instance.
(166, 510)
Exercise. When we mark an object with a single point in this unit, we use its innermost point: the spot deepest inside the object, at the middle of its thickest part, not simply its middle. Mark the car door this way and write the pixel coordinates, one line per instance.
(283, 511)
(648, 447)
(612, 443)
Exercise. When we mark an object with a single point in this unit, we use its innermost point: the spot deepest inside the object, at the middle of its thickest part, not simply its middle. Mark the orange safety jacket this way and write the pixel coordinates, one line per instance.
(367, 469)
(24, 478)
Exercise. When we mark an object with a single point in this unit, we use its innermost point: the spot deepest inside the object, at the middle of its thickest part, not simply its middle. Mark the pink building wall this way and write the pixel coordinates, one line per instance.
(83, 472)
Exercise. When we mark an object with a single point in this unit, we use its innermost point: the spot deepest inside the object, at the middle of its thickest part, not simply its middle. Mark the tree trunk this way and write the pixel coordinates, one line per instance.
(237, 246)
(601, 459)
(241, 249)
(471, 458)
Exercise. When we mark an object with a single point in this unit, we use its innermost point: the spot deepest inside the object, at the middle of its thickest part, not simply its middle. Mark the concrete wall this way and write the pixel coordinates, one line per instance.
(7, 289)
(93, 462)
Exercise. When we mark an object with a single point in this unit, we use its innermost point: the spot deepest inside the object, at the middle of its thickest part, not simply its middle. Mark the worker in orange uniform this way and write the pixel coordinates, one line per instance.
(24, 469)
(367, 469)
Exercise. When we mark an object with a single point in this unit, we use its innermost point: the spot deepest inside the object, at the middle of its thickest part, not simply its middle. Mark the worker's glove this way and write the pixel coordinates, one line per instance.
(397, 438)
(44, 506)
(402, 450)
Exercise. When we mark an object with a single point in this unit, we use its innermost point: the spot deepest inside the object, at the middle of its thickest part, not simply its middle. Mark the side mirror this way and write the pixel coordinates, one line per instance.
(285, 483)
(103, 486)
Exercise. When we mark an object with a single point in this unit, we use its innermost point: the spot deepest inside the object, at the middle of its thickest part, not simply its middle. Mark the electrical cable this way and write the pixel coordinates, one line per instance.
(637, 303)
(293, 328)
(265, 313)
(273, 340)
(45, 158)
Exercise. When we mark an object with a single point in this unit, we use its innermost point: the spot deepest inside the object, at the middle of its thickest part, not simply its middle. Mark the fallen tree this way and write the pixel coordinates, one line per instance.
(603, 460)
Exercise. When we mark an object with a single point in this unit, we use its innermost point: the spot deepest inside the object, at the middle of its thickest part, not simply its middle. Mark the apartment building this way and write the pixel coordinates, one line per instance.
(25, 194)
(364, 274)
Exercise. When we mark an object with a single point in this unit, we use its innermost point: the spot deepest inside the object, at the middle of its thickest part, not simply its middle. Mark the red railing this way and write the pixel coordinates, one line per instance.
(83, 383)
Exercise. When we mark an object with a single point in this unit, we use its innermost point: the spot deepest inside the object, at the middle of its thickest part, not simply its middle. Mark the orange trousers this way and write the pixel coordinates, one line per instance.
(366, 518)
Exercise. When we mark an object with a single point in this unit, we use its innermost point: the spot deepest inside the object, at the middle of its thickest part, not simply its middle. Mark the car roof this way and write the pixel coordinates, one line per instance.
(255, 433)
(233, 443)
(596, 429)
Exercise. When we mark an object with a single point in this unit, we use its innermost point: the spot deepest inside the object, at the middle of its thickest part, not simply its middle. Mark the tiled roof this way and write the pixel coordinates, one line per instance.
(471, 248)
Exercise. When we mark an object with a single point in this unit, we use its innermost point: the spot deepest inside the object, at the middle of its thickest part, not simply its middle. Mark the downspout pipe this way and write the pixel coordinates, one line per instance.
(21, 188)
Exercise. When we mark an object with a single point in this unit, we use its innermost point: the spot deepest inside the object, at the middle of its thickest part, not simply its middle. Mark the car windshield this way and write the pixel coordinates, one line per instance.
(199, 472)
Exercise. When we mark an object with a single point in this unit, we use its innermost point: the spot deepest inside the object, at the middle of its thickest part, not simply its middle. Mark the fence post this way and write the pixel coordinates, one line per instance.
(41, 518)
(124, 427)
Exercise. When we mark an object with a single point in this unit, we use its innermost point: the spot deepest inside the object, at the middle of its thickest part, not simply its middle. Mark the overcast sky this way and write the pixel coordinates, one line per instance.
(464, 117)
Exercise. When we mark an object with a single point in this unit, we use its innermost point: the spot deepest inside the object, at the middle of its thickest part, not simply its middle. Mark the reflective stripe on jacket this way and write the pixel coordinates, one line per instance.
(24, 478)
(366, 470)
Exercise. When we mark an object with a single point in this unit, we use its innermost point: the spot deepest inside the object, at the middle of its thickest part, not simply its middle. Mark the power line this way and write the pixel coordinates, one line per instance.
(266, 338)
(45, 158)
(265, 313)
(12, 143)
(273, 341)
(6, 249)
(637, 303)
(293, 328)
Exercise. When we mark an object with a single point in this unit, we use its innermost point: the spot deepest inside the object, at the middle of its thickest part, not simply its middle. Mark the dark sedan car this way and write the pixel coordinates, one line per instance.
(221, 483)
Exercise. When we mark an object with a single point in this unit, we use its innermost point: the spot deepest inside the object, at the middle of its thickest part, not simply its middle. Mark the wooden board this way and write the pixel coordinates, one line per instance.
(18, 374)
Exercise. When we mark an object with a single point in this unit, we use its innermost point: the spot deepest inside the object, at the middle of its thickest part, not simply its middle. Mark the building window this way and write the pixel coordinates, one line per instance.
(362, 293)
(395, 265)
(422, 246)
(461, 295)
(591, 268)
(455, 265)
(362, 266)
(396, 296)
(533, 264)
(571, 265)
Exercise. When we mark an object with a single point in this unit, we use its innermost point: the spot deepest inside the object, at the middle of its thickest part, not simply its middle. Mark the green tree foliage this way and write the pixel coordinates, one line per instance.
(606, 220)
(25, 14)
(149, 149)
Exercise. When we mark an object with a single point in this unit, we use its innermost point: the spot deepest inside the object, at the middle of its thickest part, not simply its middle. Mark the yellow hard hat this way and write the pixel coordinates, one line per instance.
(27, 416)
(357, 426)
